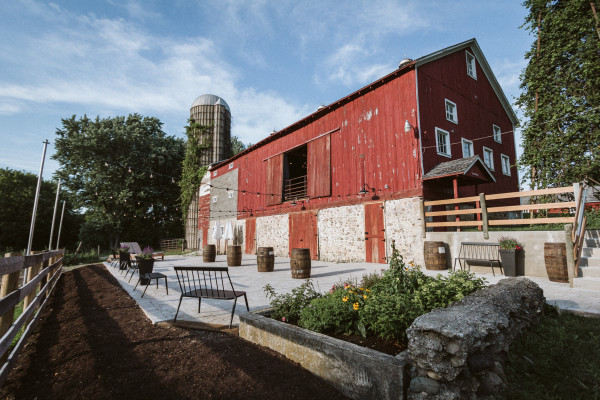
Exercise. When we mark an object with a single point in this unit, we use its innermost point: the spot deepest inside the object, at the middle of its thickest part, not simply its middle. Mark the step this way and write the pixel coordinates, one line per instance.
(590, 252)
(589, 272)
(591, 242)
(587, 283)
(590, 262)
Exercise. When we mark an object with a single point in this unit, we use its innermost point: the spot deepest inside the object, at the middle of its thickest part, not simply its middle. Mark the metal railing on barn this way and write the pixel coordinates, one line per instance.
(31, 280)
(485, 216)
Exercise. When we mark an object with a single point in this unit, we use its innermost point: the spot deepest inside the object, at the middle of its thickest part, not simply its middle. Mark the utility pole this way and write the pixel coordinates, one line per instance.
(37, 196)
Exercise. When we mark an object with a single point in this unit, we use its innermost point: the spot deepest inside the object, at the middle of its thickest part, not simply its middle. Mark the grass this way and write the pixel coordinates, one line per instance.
(557, 359)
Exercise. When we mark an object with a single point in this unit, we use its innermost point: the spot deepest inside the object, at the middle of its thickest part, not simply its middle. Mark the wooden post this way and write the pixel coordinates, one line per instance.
(478, 205)
(456, 207)
(423, 227)
(29, 275)
(570, 258)
(10, 283)
(484, 215)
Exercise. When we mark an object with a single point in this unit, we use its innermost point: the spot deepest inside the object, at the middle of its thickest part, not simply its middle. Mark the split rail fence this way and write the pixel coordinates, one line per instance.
(31, 280)
(484, 215)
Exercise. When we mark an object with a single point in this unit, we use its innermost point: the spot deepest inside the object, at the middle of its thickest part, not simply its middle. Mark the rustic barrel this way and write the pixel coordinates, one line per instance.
(435, 255)
(300, 263)
(209, 253)
(555, 257)
(265, 259)
(234, 256)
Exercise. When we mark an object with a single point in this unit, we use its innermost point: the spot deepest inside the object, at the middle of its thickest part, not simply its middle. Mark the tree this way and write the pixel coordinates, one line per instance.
(16, 206)
(561, 93)
(237, 146)
(122, 173)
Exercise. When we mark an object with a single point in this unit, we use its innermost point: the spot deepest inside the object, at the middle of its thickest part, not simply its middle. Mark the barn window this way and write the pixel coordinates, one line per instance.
(442, 142)
(505, 164)
(467, 148)
(230, 195)
(451, 114)
(471, 70)
(294, 173)
(497, 133)
(214, 199)
(488, 157)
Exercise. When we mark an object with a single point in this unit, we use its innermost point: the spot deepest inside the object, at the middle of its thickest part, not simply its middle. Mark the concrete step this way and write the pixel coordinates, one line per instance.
(590, 262)
(591, 242)
(587, 283)
(589, 272)
(590, 252)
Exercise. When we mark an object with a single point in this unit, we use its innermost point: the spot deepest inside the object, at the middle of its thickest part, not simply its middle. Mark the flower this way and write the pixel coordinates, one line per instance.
(283, 319)
(508, 243)
(146, 254)
(345, 299)
(124, 248)
(364, 296)
(355, 306)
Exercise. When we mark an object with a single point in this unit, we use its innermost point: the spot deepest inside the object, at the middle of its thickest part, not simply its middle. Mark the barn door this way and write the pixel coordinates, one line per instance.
(374, 233)
(250, 239)
(303, 233)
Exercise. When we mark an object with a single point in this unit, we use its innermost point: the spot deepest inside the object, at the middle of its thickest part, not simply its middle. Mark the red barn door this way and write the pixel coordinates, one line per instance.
(374, 233)
(303, 233)
(250, 236)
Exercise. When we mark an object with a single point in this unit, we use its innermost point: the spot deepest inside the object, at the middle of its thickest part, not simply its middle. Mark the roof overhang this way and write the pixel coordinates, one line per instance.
(468, 171)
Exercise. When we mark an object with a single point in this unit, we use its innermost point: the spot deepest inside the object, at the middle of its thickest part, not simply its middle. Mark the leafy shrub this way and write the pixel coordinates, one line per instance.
(441, 291)
(337, 312)
(82, 258)
(287, 307)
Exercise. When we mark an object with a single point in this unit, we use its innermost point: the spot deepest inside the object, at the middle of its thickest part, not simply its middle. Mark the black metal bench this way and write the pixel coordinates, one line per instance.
(207, 283)
(479, 254)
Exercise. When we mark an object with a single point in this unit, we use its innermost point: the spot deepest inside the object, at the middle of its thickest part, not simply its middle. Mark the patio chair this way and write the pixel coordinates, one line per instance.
(207, 283)
(151, 276)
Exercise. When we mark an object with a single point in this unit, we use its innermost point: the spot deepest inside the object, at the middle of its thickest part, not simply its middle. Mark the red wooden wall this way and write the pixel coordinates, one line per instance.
(478, 108)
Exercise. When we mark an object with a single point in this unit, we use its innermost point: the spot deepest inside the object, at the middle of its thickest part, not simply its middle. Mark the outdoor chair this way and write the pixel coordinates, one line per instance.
(132, 266)
(115, 259)
(151, 276)
(207, 283)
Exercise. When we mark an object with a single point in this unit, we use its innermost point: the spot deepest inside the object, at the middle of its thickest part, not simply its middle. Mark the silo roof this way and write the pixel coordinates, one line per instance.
(210, 100)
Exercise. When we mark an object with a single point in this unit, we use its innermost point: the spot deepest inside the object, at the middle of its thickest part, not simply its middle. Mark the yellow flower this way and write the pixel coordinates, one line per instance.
(368, 290)
(365, 296)
(345, 299)
(355, 306)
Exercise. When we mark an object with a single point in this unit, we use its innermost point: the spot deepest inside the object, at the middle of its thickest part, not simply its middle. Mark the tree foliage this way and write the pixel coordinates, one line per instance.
(561, 93)
(191, 172)
(122, 172)
(16, 206)
(237, 146)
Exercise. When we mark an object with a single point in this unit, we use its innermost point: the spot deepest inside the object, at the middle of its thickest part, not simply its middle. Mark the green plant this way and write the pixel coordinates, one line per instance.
(146, 254)
(124, 249)
(90, 257)
(287, 307)
(441, 291)
(508, 243)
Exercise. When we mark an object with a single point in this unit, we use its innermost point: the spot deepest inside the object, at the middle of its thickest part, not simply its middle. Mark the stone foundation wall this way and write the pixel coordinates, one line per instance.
(273, 231)
(341, 234)
(458, 352)
(403, 224)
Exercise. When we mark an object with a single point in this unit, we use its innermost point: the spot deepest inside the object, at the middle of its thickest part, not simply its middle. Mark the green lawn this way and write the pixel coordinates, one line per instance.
(557, 359)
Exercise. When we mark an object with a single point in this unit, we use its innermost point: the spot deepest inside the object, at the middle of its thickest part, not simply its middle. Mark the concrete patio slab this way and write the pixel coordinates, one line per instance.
(160, 307)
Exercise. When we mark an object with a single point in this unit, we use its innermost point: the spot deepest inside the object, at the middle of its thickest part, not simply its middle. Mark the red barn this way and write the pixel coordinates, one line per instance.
(347, 179)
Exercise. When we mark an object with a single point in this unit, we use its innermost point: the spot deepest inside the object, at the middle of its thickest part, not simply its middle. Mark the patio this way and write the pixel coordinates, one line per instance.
(160, 307)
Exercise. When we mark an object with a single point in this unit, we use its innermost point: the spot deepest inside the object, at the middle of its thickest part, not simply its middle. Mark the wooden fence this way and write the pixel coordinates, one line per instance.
(30, 279)
(170, 244)
(576, 218)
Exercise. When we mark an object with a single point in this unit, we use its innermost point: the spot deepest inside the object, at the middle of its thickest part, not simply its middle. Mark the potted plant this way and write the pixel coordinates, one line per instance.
(509, 248)
(123, 257)
(145, 263)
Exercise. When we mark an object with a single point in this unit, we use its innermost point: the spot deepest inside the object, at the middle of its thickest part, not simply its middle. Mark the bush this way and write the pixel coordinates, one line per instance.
(90, 257)
(441, 291)
(287, 307)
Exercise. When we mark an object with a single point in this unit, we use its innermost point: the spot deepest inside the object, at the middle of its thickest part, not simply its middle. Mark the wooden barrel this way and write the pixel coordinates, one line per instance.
(555, 257)
(300, 263)
(265, 259)
(209, 253)
(435, 255)
(234, 256)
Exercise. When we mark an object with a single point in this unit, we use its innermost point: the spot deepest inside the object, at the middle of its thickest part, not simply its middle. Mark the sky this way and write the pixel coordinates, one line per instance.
(274, 62)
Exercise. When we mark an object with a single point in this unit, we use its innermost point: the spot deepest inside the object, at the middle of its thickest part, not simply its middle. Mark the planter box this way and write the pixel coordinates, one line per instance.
(357, 372)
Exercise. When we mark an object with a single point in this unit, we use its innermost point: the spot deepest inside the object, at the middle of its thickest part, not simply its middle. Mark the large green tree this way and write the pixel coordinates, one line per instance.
(561, 93)
(123, 173)
(16, 206)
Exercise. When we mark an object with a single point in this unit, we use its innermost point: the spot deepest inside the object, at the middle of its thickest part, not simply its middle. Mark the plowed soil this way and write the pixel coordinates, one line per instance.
(94, 342)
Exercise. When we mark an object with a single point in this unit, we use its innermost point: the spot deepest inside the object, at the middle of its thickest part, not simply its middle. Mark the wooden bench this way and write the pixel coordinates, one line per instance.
(207, 283)
(479, 254)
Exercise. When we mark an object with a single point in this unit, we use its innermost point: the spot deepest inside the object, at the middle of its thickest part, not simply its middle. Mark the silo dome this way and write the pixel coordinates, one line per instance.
(210, 100)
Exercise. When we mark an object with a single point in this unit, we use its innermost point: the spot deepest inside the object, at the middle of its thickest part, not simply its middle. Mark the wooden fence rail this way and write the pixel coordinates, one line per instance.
(40, 273)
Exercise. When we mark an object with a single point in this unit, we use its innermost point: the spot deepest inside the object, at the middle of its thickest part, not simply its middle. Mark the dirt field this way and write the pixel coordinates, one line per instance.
(93, 342)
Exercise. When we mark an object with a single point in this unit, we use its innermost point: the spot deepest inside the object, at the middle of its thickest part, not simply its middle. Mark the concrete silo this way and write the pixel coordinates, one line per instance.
(212, 110)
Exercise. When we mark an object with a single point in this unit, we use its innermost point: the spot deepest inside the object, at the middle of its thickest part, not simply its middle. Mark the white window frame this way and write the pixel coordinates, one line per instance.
(437, 144)
(498, 137)
(505, 159)
(230, 195)
(454, 115)
(491, 164)
(471, 65)
(214, 199)
(472, 152)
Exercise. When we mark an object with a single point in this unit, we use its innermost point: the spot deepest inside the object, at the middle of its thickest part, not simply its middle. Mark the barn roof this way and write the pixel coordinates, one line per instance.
(469, 167)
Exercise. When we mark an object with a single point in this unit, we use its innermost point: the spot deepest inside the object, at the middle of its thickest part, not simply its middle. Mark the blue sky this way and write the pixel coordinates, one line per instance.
(274, 62)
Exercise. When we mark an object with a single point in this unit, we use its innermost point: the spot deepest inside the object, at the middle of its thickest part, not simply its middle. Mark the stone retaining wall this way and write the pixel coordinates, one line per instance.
(459, 352)
(341, 234)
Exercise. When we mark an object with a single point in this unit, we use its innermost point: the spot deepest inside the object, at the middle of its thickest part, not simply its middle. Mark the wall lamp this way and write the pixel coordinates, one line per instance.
(364, 190)
(408, 128)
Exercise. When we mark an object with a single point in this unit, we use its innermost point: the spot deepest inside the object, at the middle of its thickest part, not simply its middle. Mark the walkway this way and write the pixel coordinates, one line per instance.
(160, 307)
